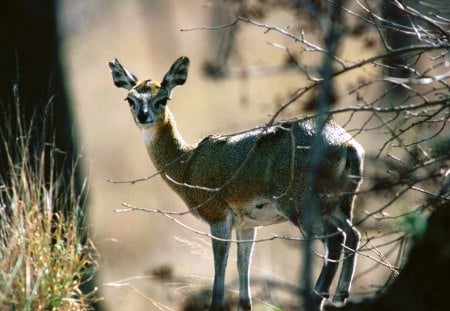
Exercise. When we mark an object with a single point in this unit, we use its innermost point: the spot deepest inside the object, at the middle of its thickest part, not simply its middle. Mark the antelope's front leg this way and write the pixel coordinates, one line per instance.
(222, 230)
(244, 258)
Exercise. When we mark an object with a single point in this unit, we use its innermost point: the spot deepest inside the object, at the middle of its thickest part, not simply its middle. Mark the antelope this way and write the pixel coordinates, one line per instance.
(254, 178)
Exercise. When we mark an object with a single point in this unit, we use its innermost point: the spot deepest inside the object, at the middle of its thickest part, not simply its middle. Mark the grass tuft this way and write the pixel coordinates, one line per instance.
(44, 254)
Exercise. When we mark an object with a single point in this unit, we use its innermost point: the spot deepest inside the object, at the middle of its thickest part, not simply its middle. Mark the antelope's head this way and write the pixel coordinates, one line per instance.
(148, 98)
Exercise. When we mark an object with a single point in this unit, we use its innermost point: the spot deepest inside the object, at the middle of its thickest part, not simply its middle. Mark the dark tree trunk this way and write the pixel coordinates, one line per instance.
(35, 111)
(32, 90)
(396, 37)
(31, 82)
(396, 23)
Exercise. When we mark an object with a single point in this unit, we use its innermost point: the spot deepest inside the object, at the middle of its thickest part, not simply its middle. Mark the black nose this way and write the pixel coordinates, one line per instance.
(142, 116)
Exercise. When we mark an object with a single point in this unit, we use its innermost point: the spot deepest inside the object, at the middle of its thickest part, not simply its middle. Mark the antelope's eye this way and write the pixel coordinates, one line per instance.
(130, 101)
(160, 103)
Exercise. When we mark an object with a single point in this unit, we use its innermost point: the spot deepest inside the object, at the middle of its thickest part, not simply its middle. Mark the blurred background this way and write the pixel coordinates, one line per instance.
(145, 259)
(239, 77)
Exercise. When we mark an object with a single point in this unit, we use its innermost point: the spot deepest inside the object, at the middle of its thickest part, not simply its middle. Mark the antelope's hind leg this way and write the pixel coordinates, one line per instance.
(352, 241)
(333, 248)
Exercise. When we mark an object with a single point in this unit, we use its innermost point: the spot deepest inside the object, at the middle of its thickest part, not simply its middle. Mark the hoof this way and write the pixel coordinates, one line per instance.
(340, 297)
(318, 301)
(244, 306)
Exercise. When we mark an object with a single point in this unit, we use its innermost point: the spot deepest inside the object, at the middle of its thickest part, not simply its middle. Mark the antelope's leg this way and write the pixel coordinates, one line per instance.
(349, 263)
(333, 249)
(244, 258)
(222, 230)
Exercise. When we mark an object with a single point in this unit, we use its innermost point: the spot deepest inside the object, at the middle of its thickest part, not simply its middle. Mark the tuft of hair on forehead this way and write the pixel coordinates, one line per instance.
(148, 86)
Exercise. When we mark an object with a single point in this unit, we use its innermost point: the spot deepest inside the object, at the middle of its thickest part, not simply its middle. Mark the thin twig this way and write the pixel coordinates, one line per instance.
(168, 214)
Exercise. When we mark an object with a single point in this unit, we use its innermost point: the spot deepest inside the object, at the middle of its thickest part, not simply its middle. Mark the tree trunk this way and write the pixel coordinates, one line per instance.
(33, 99)
(32, 84)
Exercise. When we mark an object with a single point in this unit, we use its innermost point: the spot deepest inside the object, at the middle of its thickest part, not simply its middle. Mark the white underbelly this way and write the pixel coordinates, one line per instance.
(256, 214)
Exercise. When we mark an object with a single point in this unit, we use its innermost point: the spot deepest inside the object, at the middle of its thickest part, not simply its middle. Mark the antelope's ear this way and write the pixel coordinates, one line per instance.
(176, 75)
(121, 76)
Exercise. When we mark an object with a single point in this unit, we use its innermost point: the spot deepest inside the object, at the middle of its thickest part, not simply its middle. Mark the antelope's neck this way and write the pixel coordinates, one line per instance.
(165, 145)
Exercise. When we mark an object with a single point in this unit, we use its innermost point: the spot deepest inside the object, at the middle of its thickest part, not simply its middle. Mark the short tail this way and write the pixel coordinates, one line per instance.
(355, 162)
(354, 172)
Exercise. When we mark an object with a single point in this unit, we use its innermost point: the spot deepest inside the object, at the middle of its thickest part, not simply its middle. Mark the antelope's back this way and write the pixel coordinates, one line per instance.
(265, 161)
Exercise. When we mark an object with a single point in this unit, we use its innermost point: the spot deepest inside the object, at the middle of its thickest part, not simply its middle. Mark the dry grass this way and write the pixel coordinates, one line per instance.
(43, 256)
